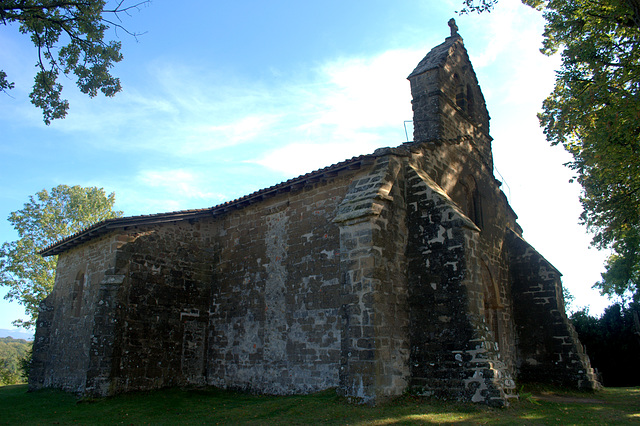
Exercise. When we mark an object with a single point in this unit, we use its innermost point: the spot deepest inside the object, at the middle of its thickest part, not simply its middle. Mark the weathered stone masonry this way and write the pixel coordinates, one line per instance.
(399, 270)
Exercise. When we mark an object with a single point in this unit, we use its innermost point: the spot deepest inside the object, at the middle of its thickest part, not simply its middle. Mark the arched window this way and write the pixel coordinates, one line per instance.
(76, 294)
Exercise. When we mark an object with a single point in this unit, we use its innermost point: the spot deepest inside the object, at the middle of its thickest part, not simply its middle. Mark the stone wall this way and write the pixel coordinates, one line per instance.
(249, 299)
(373, 239)
(275, 322)
(452, 355)
(548, 347)
(64, 331)
(162, 303)
(372, 280)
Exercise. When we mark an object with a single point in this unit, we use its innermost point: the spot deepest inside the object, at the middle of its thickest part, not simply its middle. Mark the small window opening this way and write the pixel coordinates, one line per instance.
(470, 100)
(477, 208)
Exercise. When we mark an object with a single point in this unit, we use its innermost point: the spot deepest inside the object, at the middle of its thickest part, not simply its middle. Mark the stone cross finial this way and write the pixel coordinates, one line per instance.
(454, 27)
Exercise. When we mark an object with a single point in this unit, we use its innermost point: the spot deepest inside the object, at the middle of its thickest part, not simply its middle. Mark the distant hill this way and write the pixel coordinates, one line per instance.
(16, 334)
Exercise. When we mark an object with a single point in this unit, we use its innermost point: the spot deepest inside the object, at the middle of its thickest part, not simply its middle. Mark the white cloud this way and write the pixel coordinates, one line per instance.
(297, 158)
(250, 128)
(179, 112)
(177, 181)
(510, 28)
(367, 92)
(183, 112)
(166, 190)
(358, 105)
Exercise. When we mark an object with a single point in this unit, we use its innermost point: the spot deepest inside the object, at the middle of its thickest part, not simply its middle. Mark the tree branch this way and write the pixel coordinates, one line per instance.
(126, 10)
(635, 8)
(53, 5)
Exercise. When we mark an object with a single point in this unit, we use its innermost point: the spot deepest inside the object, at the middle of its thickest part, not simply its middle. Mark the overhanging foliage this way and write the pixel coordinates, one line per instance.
(80, 25)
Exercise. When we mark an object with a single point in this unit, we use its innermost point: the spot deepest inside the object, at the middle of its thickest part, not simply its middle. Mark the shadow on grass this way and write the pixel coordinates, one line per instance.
(213, 406)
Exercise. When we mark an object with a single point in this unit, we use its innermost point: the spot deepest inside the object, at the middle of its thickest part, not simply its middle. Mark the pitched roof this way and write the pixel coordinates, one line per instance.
(299, 182)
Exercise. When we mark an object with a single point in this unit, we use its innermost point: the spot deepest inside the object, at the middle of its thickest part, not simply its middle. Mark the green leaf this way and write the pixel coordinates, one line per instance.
(81, 24)
(46, 218)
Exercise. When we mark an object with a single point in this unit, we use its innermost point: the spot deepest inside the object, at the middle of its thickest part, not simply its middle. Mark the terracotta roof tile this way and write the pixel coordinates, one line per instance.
(108, 225)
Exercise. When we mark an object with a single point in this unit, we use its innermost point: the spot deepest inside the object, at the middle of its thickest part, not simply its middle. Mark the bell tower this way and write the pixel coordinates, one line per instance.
(448, 105)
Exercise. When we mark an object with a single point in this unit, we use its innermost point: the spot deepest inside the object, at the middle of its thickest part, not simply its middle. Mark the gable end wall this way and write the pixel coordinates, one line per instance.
(64, 342)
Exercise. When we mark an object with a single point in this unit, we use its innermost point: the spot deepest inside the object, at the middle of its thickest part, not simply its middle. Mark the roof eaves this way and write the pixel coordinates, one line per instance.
(296, 183)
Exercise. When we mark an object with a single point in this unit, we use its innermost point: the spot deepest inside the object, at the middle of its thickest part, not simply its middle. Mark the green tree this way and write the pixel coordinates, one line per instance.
(569, 299)
(46, 218)
(14, 353)
(81, 24)
(612, 342)
(594, 113)
(25, 363)
(477, 6)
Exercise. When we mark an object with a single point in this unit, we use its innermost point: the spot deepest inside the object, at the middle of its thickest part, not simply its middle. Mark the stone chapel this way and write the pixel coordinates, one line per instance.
(400, 270)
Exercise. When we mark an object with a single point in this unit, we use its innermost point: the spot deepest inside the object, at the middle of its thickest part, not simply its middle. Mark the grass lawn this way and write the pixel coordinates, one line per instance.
(211, 406)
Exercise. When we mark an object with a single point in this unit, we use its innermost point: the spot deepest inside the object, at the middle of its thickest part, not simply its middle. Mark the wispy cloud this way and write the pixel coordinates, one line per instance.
(367, 92)
(346, 107)
(358, 105)
(162, 190)
(244, 129)
(299, 158)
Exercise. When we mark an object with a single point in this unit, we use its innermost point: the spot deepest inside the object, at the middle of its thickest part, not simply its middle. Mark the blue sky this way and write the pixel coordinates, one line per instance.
(224, 98)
